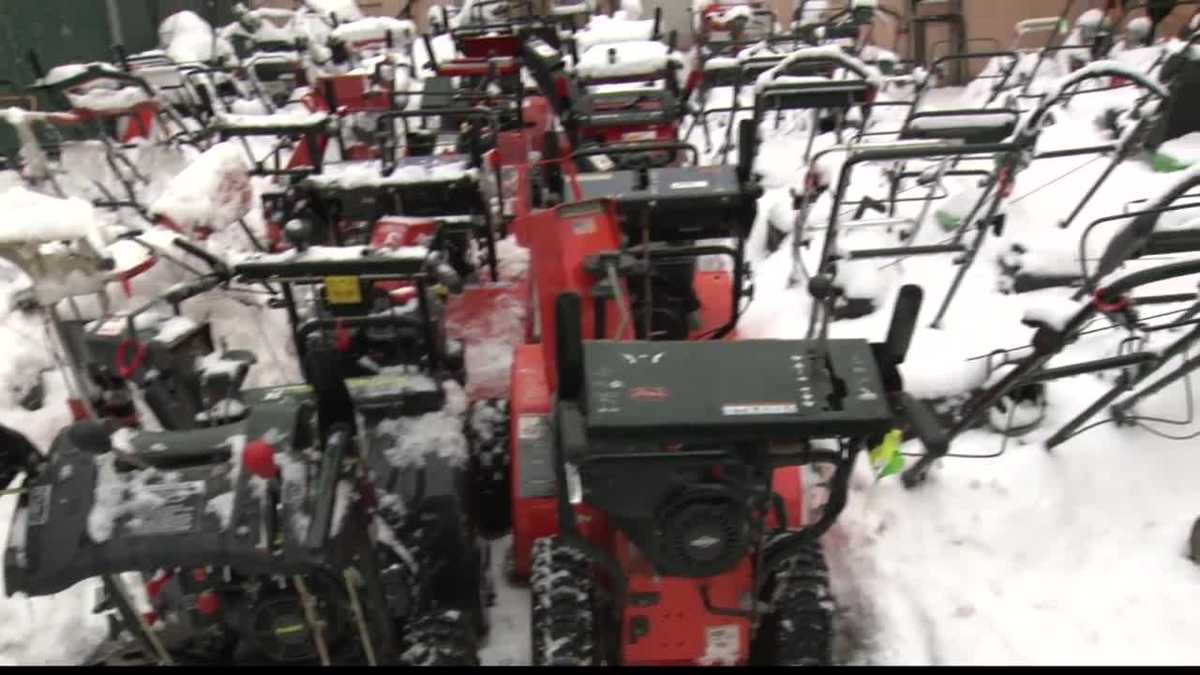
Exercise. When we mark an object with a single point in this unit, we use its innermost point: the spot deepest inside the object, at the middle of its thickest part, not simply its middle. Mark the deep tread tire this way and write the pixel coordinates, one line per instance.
(562, 622)
(798, 628)
(442, 638)
(488, 425)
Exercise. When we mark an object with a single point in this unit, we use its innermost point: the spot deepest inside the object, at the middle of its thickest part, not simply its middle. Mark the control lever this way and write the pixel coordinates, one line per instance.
(327, 484)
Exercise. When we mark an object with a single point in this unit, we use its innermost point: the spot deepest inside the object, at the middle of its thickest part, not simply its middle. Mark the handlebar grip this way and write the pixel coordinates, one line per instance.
(188, 290)
(904, 321)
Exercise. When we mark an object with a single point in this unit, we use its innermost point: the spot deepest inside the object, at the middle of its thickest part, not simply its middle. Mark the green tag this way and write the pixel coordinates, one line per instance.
(1063, 26)
(886, 459)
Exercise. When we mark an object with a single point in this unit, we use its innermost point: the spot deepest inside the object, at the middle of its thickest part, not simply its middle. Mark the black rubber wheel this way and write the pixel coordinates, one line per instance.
(798, 628)
(443, 638)
(488, 424)
(562, 621)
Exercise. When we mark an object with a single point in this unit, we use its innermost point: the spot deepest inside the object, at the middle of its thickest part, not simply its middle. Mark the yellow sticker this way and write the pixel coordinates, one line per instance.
(343, 291)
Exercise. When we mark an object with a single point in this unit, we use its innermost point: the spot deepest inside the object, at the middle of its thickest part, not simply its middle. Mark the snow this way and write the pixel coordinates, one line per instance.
(282, 119)
(188, 38)
(213, 192)
(31, 217)
(346, 10)
(409, 441)
(353, 175)
(1184, 150)
(334, 254)
(632, 59)
(1053, 312)
(376, 28)
(858, 69)
(1103, 68)
(174, 328)
(60, 74)
(603, 30)
(109, 100)
(964, 121)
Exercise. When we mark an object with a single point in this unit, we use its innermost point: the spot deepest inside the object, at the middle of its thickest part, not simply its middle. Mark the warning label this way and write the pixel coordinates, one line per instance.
(760, 409)
(722, 646)
(178, 509)
(531, 427)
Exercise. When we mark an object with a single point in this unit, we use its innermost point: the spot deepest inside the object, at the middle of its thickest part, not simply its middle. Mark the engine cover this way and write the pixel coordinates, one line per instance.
(702, 531)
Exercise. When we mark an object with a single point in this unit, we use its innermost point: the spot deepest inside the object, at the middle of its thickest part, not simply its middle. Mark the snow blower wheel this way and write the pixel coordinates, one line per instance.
(797, 630)
(487, 433)
(439, 639)
(562, 628)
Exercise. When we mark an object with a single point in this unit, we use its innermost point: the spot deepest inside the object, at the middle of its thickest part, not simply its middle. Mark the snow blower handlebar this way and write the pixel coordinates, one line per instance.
(1048, 341)
(1033, 123)
(93, 73)
(1137, 235)
(879, 153)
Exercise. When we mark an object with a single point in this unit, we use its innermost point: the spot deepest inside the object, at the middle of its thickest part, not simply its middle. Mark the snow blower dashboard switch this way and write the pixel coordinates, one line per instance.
(745, 390)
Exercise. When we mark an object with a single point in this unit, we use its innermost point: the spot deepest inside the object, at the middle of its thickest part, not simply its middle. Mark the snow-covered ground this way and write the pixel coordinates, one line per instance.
(1029, 557)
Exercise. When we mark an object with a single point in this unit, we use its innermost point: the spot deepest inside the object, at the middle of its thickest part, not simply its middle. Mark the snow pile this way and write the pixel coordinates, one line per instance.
(514, 259)
(603, 30)
(376, 29)
(1054, 312)
(174, 328)
(408, 441)
(211, 193)
(109, 100)
(370, 174)
(345, 10)
(964, 121)
(31, 217)
(187, 38)
(100, 94)
(284, 120)
(333, 254)
(1183, 151)
(630, 59)
(59, 74)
